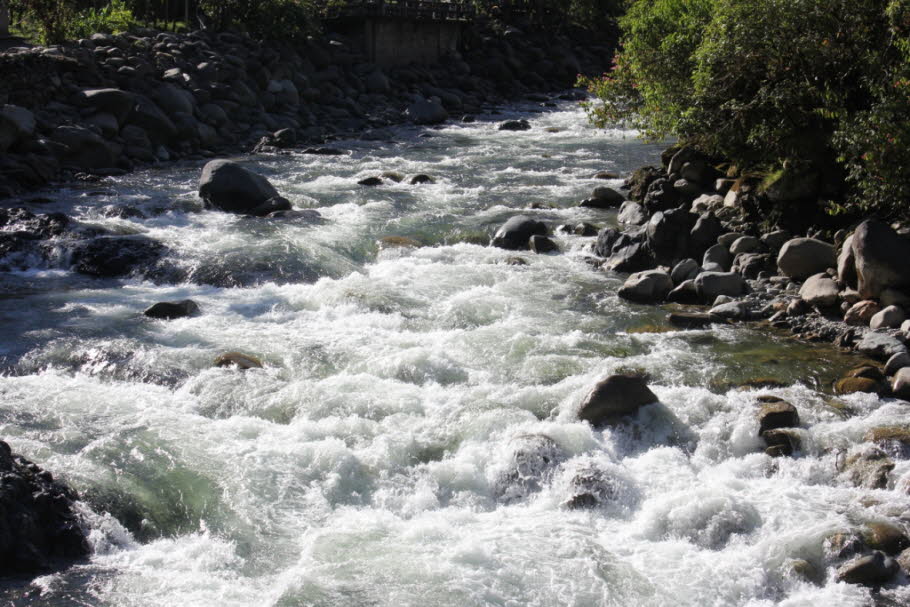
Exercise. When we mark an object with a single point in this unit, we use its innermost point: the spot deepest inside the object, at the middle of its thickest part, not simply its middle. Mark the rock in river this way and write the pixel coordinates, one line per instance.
(516, 233)
(615, 397)
(168, 310)
(227, 186)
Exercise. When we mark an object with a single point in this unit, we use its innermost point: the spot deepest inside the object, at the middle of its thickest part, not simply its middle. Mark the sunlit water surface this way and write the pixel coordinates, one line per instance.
(368, 463)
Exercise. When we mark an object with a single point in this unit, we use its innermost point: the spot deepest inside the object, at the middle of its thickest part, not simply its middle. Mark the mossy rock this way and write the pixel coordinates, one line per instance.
(866, 371)
(398, 242)
(884, 536)
(889, 433)
(852, 385)
(239, 360)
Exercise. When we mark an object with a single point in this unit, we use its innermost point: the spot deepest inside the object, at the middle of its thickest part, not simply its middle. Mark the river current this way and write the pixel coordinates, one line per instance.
(412, 439)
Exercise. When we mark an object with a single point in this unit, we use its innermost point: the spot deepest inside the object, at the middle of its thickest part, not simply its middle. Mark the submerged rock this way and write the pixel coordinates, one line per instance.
(530, 465)
(777, 414)
(39, 528)
(869, 468)
(515, 125)
(615, 397)
(239, 360)
(541, 244)
(168, 310)
(116, 256)
(871, 570)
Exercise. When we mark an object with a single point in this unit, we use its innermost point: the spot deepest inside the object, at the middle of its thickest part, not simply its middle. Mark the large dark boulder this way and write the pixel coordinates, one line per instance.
(515, 234)
(881, 258)
(640, 181)
(149, 117)
(227, 186)
(110, 101)
(168, 310)
(704, 234)
(650, 286)
(515, 125)
(661, 196)
(606, 238)
(426, 111)
(615, 397)
(39, 528)
(669, 234)
(116, 256)
(84, 149)
(800, 258)
(634, 257)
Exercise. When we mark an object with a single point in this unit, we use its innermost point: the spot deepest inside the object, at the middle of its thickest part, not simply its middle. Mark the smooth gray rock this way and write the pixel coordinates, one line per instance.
(901, 384)
(709, 285)
(800, 258)
(881, 258)
(734, 310)
(880, 346)
(632, 213)
(896, 363)
(685, 270)
(820, 291)
(426, 111)
(650, 286)
(719, 255)
(745, 244)
(871, 570)
(888, 318)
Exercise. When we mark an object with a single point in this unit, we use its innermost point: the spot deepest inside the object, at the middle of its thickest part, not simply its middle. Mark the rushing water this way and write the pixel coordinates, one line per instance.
(372, 461)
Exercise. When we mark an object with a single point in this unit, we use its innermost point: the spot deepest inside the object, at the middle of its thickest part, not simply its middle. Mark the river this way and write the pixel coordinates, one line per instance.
(412, 438)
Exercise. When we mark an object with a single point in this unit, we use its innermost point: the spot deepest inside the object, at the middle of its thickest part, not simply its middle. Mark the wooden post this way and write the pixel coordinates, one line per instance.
(4, 19)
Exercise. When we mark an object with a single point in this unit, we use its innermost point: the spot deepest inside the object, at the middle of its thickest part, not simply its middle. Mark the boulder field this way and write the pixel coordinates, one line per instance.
(112, 103)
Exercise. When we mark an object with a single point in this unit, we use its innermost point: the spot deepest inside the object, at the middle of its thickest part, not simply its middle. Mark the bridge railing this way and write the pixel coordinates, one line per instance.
(421, 10)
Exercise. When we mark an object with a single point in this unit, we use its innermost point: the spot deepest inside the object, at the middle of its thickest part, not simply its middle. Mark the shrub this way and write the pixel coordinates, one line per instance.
(114, 18)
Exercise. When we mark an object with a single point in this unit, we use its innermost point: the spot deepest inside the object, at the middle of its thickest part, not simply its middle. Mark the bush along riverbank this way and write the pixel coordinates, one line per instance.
(111, 104)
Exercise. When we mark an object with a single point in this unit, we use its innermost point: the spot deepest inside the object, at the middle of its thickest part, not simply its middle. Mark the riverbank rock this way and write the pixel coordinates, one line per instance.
(860, 314)
(168, 310)
(650, 286)
(871, 570)
(615, 397)
(901, 385)
(886, 537)
(709, 285)
(515, 234)
(880, 346)
(800, 258)
(691, 320)
(227, 186)
(819, 291)
(39, 528)
(632, 213)
(889, 318)
(880, 256)
(426, 111)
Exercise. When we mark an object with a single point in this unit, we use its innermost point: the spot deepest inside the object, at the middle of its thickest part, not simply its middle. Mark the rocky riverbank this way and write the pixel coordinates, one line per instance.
(690, 237)
(111, 104)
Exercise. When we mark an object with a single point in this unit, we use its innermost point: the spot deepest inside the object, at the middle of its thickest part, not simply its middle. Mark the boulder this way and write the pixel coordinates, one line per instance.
(39, 525)
(750, 265)
(426, 111)
(709, 285)
(781, 441)
(800, 258)
(515, 125)
(861, 313)
(615, 397)
(776, 240)
(819, 291)
(238, 359)
(116, 256)
(704, 234)
(734, 310)
(168, 310)
(370, 182)
(889, 318)
(777, 414)
(869, 468)
(531, 464)
(685, 270)
(421, 179)
(668, 233)
(148, 116)
(745, 244)
(607, 197)
(897, 362)
(584, 229)
(632, 213)
(901, 384)
(718, 256)
(880, 346)
(852, 385)
(515, 234)
(16, 124)
(606, 238)
(174, 100)
(634, 257)
(227, 186)
(84, 148)
(871, 570)
(661, 196)
(112, 101)
(685, 293)
(846, 264)
(650, 286)
(541, 244)
(885, 536)
(880, 257)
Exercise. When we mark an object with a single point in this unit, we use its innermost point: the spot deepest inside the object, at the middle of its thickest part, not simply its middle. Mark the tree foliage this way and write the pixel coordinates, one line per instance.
(822, 83)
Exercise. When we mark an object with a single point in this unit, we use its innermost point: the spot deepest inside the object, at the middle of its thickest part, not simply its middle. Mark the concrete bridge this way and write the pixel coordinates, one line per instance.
(398, 32)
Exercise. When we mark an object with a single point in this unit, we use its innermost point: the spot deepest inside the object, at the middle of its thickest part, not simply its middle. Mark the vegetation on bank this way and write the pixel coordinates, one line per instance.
(803, 89)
